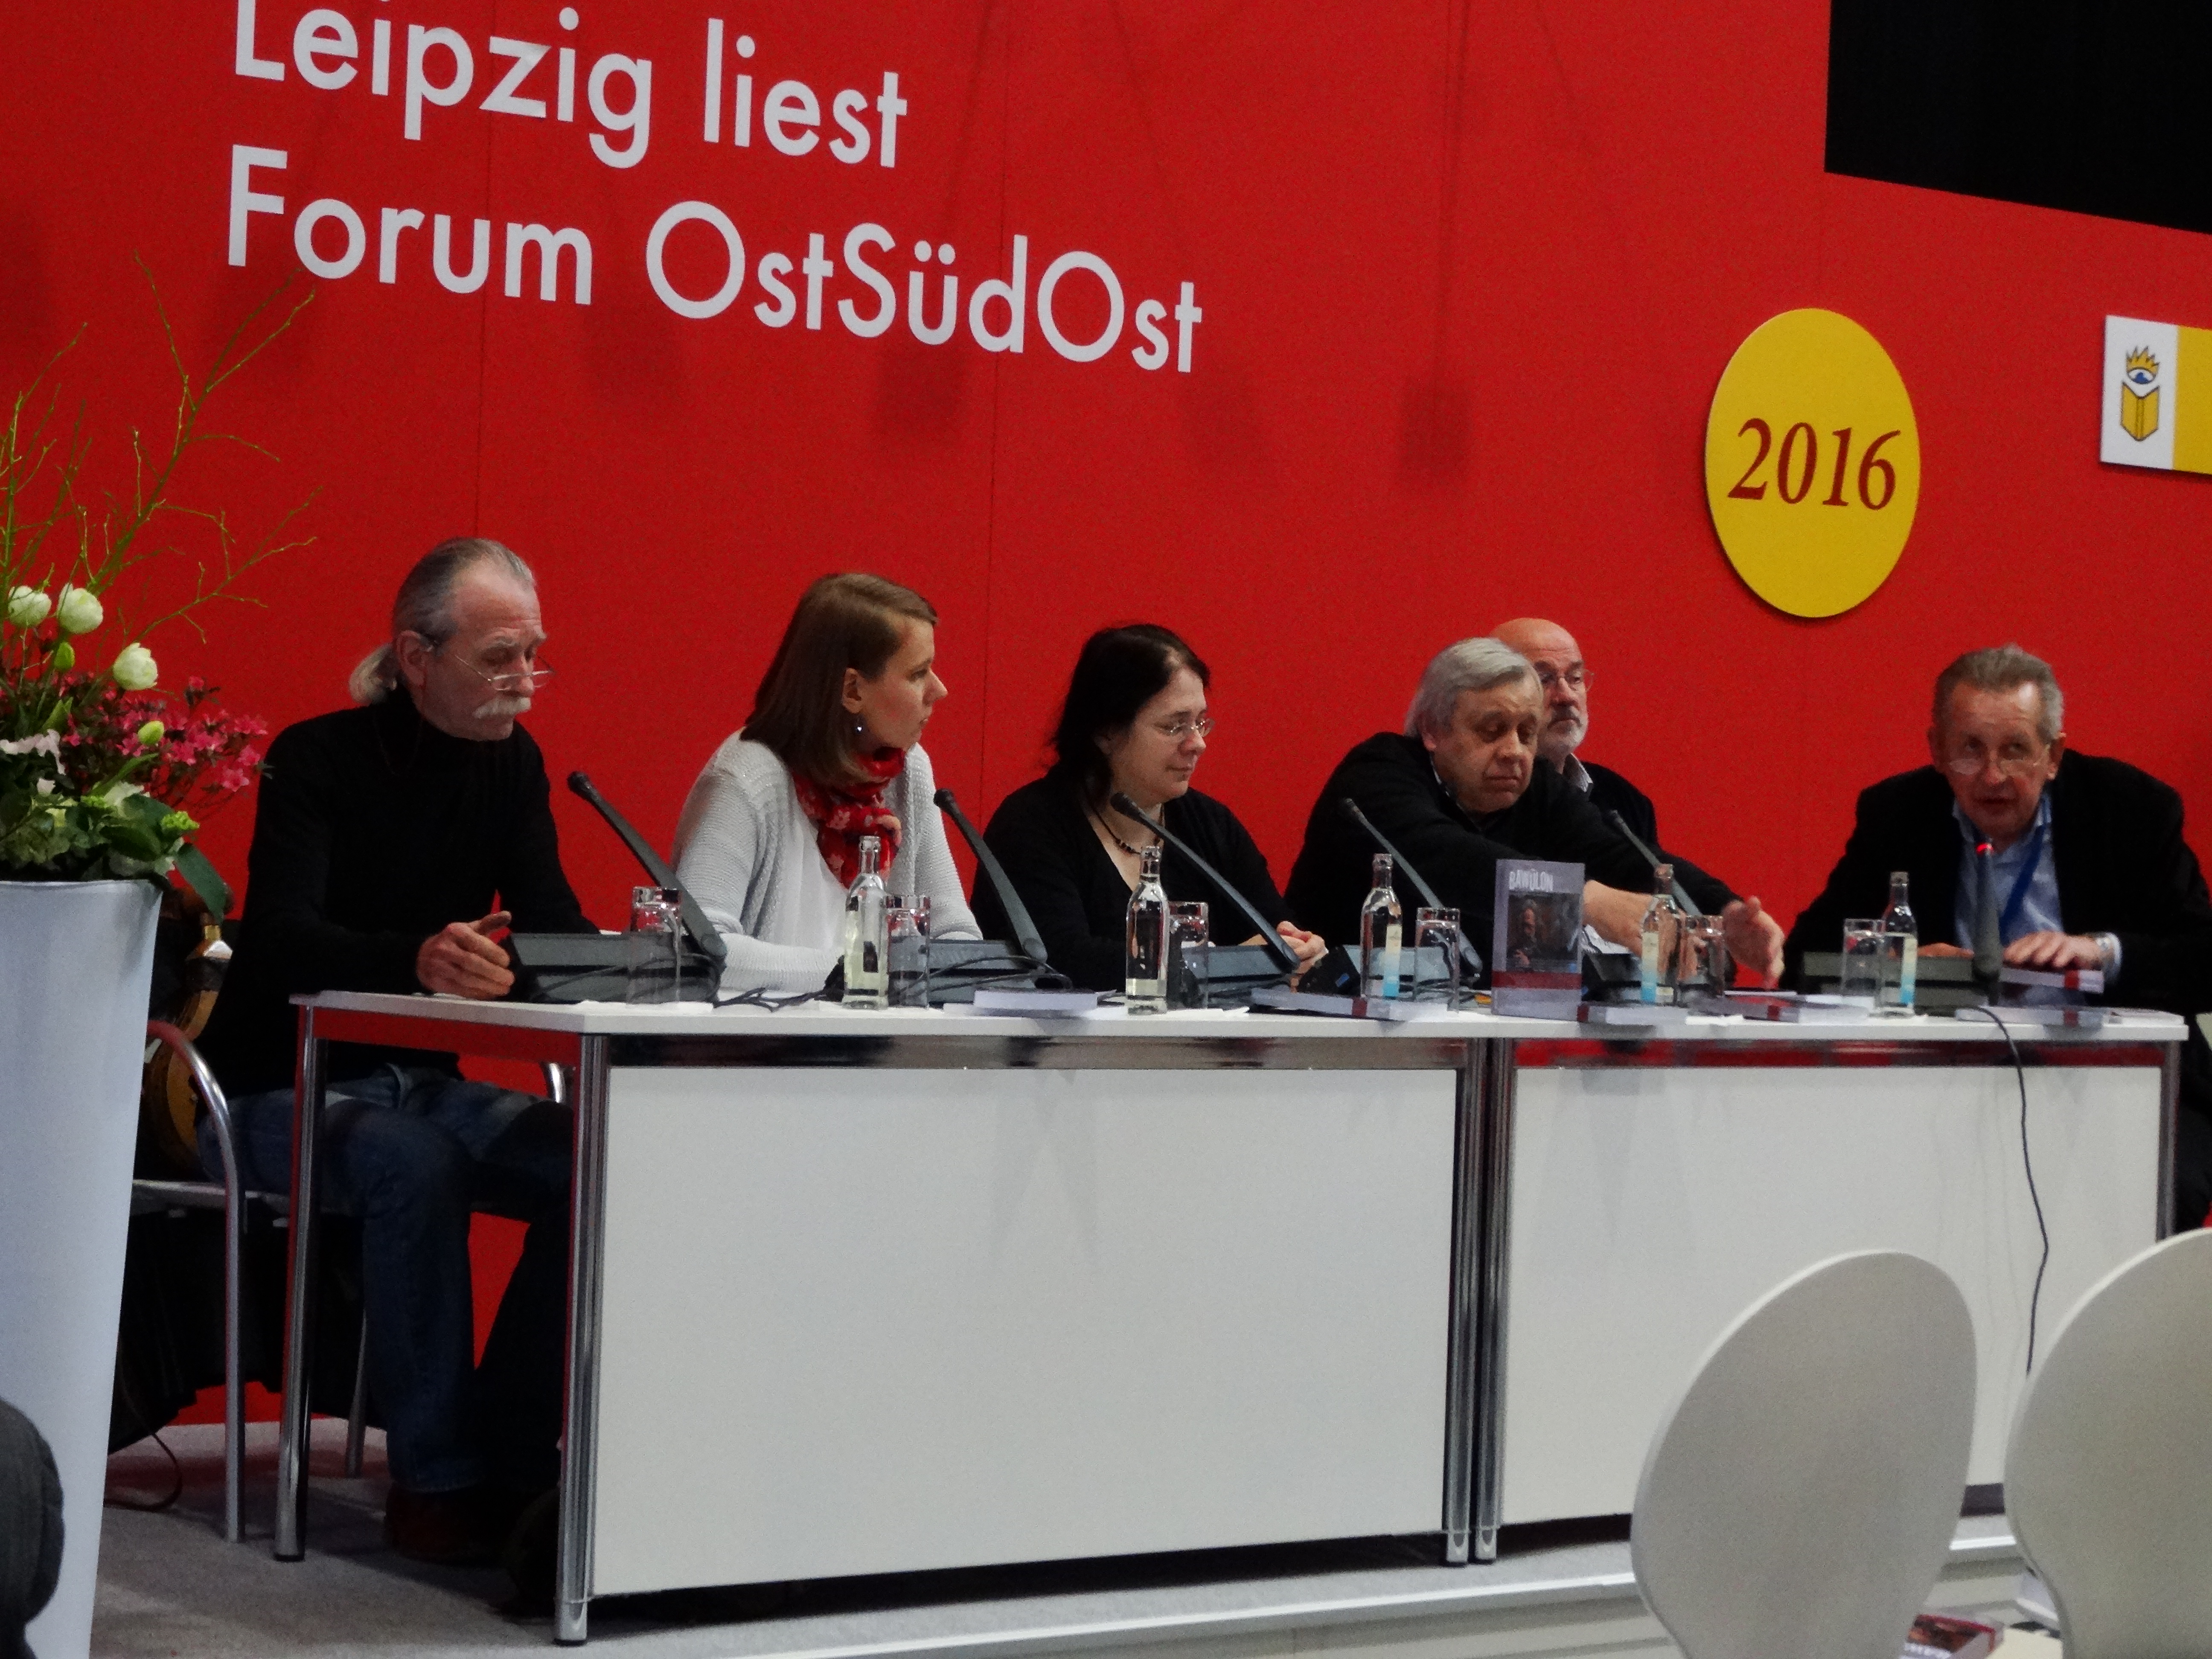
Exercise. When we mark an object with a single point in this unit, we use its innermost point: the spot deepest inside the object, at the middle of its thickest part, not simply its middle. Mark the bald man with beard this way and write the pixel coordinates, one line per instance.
(1565, 680)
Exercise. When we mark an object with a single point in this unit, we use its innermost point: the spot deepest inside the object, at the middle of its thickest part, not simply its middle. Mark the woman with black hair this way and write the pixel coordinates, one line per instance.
(1134, 723)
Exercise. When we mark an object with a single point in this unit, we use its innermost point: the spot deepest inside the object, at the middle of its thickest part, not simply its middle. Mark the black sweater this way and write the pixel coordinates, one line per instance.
(1078, 898)
(1392, 778)
(374, 830)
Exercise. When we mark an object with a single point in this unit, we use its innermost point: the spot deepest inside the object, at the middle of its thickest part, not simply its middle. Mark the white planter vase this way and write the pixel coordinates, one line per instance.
(75, 961)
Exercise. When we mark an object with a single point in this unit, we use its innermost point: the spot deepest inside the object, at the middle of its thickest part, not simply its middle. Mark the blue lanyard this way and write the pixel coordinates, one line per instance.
(2021, 883)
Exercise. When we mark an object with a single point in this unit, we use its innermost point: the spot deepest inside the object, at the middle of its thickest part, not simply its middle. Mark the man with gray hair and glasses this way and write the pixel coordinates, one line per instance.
(393, 843)
(1460, 789)
(2085, 865)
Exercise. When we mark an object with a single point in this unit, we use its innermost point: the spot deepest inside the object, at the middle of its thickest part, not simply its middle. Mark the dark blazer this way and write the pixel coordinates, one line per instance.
(2115, 842)
(1076, 896)
(1610, 792)
(1391, 776)
(2123, 868)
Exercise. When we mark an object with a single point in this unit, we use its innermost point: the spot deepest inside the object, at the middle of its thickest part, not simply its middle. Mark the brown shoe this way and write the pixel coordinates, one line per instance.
(447, 1529)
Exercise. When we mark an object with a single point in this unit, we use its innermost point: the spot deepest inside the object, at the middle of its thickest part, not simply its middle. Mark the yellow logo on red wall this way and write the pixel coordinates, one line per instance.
(1812, 463)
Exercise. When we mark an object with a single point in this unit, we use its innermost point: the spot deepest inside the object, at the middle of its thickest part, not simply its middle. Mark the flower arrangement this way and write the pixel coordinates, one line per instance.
(103, 774)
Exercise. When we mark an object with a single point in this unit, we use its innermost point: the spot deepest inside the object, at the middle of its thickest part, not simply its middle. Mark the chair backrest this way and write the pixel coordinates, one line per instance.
(2108, 1474)
(1803, 1493)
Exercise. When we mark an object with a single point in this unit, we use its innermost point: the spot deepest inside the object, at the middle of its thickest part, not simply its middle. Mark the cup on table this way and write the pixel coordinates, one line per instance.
(651, 946)
(1190, 943)
(905, 917)
(1436, 934)
(1864, 951)
(1706, 969)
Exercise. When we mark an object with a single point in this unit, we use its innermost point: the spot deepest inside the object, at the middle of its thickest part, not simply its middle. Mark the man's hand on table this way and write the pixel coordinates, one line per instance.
(2055, 951)
(2048, 950)
(1617, 915)
(460, 959)
(1754, 939)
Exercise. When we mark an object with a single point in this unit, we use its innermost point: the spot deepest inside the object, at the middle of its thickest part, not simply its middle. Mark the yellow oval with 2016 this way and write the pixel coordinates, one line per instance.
(1812, 463)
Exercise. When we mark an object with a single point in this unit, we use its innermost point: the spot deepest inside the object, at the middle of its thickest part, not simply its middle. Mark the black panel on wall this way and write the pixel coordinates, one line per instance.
(2097, 105)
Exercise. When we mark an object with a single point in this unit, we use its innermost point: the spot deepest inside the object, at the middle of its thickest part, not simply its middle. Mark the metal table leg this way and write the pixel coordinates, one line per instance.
(2169, 1106)
(587, 1207)
(292, 1438)
(1461, 1410)
(1497, 1186)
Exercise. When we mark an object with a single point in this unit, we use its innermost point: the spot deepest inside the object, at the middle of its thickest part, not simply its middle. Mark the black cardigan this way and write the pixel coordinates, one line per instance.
(1076, 895)
(1392, 778)
(1610, 792)
(374, 829)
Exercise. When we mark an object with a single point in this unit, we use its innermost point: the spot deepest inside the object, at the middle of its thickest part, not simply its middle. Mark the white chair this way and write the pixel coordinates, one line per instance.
(2108, 1474)
(1802, 1495)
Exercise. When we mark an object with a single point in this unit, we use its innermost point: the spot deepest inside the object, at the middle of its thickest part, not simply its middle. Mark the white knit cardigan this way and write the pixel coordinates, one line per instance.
(740, 843)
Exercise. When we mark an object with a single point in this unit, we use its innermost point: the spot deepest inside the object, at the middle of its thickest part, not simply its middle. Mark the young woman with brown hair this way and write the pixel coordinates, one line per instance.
(769, 838)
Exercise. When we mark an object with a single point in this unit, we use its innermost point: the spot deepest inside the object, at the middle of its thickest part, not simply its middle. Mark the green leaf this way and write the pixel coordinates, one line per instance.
(201, 877)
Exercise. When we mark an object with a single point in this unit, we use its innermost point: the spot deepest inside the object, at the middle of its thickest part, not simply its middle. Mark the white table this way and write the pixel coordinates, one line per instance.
(870, 1292)
(1640, 1194)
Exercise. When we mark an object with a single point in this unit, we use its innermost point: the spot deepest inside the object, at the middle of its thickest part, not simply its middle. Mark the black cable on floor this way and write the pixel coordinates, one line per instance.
(176, 1469)
(2028, 1165)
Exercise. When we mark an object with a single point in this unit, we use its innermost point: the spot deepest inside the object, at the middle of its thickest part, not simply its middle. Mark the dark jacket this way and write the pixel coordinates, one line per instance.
(1392, 778)
(2116, 843)
(2123, 868)
(1077, 898)
(374, 830)
(1610, 792)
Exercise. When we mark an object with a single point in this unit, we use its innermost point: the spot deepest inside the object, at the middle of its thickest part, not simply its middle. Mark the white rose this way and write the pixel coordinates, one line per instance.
(78, 612)
(134, 669)
(27, 607)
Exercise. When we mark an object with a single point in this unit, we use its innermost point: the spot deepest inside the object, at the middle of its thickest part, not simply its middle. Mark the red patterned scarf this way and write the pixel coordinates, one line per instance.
(842, 817)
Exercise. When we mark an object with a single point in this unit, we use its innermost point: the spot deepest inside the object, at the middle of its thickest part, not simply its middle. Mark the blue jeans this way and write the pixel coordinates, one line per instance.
(411, 1152)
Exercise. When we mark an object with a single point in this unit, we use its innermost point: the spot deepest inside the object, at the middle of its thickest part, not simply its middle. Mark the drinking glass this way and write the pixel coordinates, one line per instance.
(1706, 969)
(1864, 954)
(907, 919)
(650, 955)
(1189, 944)
(1436, 930)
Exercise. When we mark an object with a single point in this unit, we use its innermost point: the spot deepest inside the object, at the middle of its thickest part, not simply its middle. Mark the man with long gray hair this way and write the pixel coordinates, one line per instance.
(1459, 789)
(2048, 857)
(393, 843)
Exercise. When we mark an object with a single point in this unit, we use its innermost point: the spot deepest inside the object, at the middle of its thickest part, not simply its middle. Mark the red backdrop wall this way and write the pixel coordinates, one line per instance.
(1468, 271)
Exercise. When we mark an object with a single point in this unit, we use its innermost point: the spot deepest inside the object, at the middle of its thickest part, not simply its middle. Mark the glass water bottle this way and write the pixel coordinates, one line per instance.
(868, 932)
(1382, 933)
(1662, 940)
(1145, 975)
(1901, 940)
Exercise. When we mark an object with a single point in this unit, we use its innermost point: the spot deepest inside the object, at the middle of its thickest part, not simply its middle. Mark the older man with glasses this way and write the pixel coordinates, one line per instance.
(393, 843)
(1565, 678)
(2056, 859)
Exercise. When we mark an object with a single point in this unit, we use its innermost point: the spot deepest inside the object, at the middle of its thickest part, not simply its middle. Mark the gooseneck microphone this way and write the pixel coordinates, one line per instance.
(1689, 906)
(703, 930)
(1017, 914)
(1278, 947)
(1473, 956)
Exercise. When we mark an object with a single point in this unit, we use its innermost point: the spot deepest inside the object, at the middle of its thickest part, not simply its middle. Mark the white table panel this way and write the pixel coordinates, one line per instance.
(866, 1321)
(1651, 1205)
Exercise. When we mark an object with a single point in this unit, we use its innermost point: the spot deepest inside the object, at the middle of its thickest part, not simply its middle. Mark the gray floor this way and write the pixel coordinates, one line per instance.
(170, 1586)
